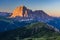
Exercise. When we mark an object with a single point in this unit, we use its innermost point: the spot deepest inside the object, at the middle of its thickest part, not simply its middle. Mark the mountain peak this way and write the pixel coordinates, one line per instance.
(20, 11)
(24, 12)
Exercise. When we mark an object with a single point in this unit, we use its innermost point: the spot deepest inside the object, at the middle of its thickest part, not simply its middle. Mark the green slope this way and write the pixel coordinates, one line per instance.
(42, 32)
(34, 31)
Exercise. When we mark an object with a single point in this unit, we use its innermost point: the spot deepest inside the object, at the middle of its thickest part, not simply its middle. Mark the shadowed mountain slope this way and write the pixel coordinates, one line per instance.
(30, 32)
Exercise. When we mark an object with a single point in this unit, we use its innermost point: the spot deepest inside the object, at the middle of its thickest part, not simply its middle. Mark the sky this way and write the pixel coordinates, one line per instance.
(51, 7)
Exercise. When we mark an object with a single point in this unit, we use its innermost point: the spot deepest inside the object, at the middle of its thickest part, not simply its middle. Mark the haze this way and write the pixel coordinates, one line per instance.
(51, 7)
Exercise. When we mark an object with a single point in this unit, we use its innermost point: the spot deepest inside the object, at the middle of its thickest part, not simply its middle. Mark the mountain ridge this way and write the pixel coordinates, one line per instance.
(29, 16)
(24, 11)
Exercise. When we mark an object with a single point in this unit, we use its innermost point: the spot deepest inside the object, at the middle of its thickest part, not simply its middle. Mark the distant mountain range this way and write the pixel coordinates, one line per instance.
(25, 24)
(22, 13)
(5, 14)
(25, 13)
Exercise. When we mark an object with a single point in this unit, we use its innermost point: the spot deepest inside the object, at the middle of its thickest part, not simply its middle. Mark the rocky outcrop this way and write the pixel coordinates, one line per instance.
(20, 11)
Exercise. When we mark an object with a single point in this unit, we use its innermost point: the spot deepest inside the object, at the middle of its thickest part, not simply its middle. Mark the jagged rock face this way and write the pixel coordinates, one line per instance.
(25, 13)
(20, 11)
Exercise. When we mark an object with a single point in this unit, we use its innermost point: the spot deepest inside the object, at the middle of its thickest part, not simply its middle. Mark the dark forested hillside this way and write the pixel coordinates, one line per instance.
(34, 31)
(10, 24)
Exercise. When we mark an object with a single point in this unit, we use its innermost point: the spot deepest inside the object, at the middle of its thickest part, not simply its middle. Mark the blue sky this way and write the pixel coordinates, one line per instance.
(52, 7)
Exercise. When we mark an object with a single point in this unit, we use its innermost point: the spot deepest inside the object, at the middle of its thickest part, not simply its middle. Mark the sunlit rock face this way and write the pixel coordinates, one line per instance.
(20, 11)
